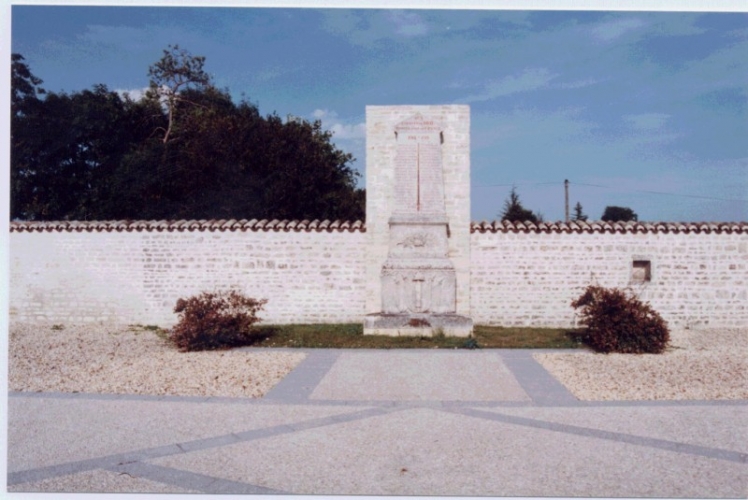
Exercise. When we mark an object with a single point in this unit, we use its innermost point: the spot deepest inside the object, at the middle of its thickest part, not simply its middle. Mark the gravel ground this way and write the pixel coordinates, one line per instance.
(701, 364)
(704, 364)
(132, 360)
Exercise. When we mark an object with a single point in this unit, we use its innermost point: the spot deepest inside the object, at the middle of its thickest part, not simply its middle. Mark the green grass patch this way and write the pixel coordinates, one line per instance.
(525, 337)
(351, 336)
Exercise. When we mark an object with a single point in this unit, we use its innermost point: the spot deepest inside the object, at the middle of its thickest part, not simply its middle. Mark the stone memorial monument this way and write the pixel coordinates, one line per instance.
(418, 220)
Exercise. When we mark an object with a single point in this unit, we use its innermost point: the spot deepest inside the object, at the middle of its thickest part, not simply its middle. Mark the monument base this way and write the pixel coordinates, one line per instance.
(418, 325)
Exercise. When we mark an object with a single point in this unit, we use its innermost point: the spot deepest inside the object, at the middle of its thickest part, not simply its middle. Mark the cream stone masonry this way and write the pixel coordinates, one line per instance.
(133, 272)
(530, 279)
(439, 138)
(137, 277)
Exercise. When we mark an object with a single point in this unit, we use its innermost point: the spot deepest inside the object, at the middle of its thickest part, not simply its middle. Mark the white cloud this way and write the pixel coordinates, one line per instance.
(320, 114)
(344, 131)
(528, 79)
(135, 94)
(340, 129)
(647, 121)
(609, 31)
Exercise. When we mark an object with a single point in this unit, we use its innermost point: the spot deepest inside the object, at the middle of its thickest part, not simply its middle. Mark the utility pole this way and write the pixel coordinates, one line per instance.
(566, 191)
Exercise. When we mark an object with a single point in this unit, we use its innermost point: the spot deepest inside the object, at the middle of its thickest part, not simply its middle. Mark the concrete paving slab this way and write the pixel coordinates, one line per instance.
(419, 376)
(426, 422)
(432, 452)
(708, 425)
(98, 481)
(44, 432)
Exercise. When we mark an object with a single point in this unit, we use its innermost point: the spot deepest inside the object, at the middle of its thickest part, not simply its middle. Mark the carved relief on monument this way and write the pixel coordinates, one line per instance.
(407, 291)
(392, 302)
(417, 240)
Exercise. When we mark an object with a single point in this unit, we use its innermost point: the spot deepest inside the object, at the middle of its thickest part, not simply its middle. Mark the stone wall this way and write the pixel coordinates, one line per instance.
(134, 272)
(692, 277)
(308, 275)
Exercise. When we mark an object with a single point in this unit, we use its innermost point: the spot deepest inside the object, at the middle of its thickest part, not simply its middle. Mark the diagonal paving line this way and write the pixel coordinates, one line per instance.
(663, 444)
(192, 480)
(39, 474)
(33, 475)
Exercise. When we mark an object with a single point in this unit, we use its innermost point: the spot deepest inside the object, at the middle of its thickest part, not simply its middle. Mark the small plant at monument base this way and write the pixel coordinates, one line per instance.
(616, 321)
(471, 343)
(215, 320)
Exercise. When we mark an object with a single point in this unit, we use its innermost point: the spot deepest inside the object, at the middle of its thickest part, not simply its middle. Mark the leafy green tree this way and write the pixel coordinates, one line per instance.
(65, 147)
(578, 213)
(515, 212)
(306, 176)
(619, 214)
(94, 155)
(176, 71)
(24, 86)
(74, 143)
(26, 109)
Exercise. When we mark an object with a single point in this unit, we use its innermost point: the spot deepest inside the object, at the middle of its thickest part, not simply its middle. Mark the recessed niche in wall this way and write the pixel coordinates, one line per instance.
(641, 271)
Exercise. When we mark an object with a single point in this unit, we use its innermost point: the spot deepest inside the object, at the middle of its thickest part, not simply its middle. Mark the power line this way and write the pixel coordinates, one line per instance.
(609, 187)
(667, 194)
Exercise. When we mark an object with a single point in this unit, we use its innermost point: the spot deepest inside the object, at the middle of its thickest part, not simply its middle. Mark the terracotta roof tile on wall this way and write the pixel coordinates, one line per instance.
(188, 225)
(358, 226)
(608, 227)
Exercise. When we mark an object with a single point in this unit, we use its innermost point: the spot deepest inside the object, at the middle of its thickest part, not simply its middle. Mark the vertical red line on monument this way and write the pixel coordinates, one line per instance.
(418, 177)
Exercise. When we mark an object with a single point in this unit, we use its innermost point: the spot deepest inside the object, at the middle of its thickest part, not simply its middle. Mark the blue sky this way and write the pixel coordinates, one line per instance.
(626, 105)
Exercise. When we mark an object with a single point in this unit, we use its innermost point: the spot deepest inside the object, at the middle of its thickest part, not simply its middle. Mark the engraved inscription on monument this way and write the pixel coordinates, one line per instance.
(419, 184)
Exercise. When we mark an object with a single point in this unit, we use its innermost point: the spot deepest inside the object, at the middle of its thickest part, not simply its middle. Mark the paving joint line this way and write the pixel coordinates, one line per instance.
(363, 402)
(621, 437)
(74, 467)
(192, 480)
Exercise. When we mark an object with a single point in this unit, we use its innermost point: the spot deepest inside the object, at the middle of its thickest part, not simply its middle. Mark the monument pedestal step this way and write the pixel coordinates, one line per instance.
(418, 324)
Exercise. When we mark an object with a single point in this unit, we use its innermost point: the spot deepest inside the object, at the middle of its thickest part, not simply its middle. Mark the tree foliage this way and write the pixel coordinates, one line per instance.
(515, 212)
(176, 72)
(619, 214)
(24, 85)
(578, 213)
(94, 155)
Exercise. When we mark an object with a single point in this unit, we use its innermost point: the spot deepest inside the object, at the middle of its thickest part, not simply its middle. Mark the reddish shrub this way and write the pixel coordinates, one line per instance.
(618, 322)
(215, 320)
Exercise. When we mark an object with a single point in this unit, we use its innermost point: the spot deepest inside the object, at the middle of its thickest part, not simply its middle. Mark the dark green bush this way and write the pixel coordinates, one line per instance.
(471, 343)
(215, 320)
(618, 322)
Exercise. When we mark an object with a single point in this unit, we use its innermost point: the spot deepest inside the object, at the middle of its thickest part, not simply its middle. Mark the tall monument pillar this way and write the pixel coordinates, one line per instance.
(418, 220)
